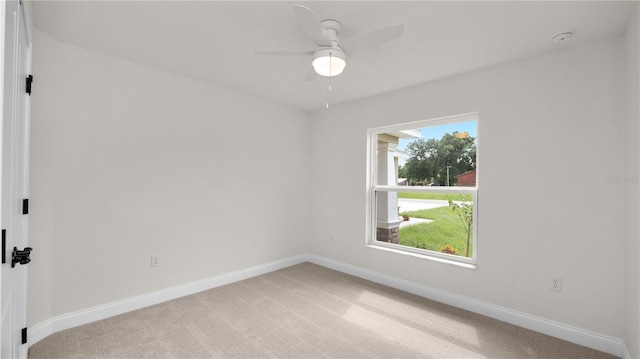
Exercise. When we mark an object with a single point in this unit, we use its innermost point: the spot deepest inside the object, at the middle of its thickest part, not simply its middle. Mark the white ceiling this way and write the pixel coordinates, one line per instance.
(214, 41)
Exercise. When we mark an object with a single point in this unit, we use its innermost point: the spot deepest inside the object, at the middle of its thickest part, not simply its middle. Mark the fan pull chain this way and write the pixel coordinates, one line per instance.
(330, 75)
(328, 90)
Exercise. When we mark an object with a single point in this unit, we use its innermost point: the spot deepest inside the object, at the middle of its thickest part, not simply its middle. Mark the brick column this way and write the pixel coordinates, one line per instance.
(391, 235)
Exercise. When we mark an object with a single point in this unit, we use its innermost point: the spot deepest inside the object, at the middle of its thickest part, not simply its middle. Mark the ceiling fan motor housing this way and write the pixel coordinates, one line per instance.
(332, 27)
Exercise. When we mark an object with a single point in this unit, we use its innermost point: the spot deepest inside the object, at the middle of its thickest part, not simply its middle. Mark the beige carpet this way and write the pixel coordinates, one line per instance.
(305, 311)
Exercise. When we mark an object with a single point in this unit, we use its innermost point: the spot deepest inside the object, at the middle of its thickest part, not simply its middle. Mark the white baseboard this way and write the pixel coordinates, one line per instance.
(40, 331)
(85, 316)
(559, 330)
(563, 331)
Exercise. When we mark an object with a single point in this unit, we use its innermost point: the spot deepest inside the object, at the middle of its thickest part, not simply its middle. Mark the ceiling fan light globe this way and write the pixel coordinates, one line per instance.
(329, 62)
(326, 66)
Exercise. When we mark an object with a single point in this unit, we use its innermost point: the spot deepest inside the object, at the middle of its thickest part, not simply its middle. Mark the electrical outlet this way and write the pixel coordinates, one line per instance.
(556, 284)
(155, 260)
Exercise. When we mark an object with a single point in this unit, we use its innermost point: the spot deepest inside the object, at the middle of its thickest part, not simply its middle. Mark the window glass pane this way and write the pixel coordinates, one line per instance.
(436, 222)
(443, 155)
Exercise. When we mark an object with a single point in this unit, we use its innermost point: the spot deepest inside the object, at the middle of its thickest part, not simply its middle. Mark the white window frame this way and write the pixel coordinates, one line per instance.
(373, 188)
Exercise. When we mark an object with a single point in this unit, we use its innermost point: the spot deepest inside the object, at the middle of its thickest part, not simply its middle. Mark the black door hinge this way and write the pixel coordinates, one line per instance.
(21, 257)
(25, 206)
(4, 246)
(24, 335)
(29, 82)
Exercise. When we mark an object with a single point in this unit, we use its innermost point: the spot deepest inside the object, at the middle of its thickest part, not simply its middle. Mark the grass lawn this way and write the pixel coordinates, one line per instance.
(446, 228)
(442, 196)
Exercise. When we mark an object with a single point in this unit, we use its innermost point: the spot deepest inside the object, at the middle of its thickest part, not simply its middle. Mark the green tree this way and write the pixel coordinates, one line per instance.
(416, 170)
(429, 159)
(402, 171)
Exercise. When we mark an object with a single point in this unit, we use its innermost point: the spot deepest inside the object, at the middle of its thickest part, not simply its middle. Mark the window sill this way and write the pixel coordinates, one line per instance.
(391, 248)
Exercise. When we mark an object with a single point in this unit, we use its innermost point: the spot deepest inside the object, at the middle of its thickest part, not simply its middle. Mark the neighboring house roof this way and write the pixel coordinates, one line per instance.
(466, 173)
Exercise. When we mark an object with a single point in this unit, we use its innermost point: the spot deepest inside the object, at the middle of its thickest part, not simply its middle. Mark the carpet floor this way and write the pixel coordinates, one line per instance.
(304, 311)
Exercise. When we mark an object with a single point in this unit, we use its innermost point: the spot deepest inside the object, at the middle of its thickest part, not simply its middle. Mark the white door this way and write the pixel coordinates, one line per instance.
(14, 176)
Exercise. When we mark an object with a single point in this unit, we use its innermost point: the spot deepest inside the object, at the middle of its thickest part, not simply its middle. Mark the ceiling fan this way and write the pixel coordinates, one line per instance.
(330, 56)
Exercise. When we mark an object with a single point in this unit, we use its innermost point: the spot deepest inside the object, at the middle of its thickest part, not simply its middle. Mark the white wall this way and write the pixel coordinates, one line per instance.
(128, 161)
(632, 194)
(551, 136)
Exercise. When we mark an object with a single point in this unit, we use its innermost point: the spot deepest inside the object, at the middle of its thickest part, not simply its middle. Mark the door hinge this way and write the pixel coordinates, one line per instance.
(25, 206)
(21, 257)
(4, 246)
(29, 82)
(24, 335)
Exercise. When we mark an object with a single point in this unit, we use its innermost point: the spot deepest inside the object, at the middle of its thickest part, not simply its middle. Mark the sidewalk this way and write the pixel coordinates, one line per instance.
(413, 221)
(408, 204)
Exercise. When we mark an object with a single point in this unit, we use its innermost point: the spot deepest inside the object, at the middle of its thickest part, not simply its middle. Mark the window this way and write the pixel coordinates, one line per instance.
(423, 188)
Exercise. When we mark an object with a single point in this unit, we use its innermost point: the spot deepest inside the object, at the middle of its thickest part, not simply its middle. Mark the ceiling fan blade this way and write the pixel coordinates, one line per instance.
(372, 38)
(284, 53)
(311, 74)
(362, 58)
(311, 26)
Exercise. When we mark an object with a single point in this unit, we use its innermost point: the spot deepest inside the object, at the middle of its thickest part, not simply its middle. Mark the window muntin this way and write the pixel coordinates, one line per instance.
(413, 213)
